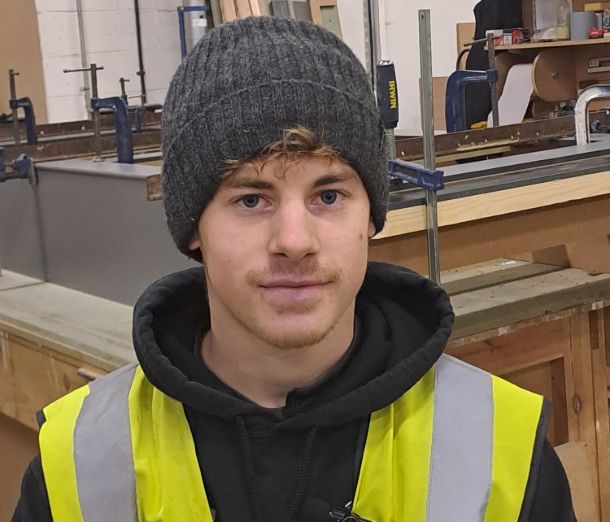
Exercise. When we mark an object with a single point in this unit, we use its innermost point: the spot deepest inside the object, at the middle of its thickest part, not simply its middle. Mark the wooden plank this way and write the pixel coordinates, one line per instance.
(510, 234)
(508, 353)
(544, 45)
(559, 435)
(263, 6)
(520, 300)
(576, 462)
(439, 88)
(243, 8)
(32, 379)
(465, 34)
(600, 386)
(493, 204)
(505, 275)
(254, 7)
(580, 392)
(81, 326)
(596, 6)
(227, 8)
(316, 9)
(481, 269)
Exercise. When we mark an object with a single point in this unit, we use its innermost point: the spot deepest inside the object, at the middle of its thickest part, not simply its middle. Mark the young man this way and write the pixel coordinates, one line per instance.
(288, 378)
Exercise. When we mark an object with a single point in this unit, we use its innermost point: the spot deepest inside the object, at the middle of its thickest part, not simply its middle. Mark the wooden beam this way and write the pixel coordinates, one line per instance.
(243, 8)
(227, 8)
(494, 204)
(571, 223)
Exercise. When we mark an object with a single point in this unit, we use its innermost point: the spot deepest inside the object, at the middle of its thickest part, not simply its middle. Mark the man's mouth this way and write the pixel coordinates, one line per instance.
(293, 283)
(288, 292)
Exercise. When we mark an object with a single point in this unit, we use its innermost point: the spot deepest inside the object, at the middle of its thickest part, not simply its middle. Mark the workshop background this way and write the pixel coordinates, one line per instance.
(497, 118)
(41, 38)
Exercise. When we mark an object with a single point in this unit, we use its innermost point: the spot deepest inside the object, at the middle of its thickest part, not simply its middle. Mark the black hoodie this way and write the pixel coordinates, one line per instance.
(262, 464)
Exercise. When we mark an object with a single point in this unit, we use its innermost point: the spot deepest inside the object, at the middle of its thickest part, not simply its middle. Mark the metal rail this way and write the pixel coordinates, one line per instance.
(427, 112)
(595, 92)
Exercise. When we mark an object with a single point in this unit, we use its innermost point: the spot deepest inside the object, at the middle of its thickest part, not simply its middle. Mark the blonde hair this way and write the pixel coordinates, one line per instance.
(296, 142)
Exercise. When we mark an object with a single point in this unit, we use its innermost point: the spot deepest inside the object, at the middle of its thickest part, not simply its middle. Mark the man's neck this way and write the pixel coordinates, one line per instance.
(266, 374)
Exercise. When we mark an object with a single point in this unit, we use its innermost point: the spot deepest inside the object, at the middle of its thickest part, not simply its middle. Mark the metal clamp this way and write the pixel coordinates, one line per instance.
(124, 141)
(581, 115)
(181, 10)
(416, 174)
(92, 69)
(20, 168)
(455, 100)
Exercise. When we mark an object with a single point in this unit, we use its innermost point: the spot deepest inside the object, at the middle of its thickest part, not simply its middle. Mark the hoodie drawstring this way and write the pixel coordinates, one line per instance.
(302, 475)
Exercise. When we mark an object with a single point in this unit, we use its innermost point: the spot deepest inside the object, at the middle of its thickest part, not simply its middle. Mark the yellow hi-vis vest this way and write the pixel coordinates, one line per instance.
(456, 447)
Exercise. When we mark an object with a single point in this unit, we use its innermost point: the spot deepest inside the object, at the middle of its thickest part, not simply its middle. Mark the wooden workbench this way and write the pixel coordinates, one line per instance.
(539, 326)
(564, 222)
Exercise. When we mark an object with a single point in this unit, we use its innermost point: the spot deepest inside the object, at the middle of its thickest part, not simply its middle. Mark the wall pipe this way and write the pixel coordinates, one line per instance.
(141, 73)
(83, 54)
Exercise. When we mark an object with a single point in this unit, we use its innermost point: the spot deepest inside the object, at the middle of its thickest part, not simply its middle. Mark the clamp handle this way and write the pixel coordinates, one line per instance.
(387, 94)
(416, 174)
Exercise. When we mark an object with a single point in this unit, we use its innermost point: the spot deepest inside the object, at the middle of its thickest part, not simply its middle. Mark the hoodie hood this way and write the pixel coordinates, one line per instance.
(403, 323)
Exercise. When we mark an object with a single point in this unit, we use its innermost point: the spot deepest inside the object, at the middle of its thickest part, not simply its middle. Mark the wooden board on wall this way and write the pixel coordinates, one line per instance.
(20, 50)
(465, 34)
(20, 444)
(439, 87)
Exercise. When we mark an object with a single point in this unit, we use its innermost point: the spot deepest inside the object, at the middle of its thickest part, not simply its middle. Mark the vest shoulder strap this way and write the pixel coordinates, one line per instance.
(120, 449)
(456, 446)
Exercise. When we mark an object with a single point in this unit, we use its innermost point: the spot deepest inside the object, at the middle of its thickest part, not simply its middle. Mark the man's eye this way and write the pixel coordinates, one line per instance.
(328, 197)
(250, 201)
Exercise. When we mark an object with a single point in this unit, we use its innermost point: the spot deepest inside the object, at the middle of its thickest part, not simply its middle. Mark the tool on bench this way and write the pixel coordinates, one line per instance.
(426, 177)
(117, 104)
(21, 167)
(22, 103)
(93, 68)
(455, 99)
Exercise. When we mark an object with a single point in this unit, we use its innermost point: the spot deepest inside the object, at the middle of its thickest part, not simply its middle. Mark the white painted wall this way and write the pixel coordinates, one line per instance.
(109, 29)
(110, 40)
(400, 43)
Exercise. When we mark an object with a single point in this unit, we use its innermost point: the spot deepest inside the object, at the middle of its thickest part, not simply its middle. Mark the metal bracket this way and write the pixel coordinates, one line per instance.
(182, 29)
(124, 140)
(20, 168)
(417, 175)
(581, 115)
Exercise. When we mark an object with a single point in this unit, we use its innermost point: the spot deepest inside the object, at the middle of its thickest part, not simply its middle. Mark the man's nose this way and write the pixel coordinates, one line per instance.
(294, 232)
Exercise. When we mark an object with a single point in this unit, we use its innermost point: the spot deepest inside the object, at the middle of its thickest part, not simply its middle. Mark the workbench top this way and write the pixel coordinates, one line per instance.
(107, 168)
(89, 329)
(485, 297)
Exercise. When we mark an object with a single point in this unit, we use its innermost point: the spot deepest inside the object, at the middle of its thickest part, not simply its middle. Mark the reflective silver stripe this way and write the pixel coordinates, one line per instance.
(462, 443)
(103, 457)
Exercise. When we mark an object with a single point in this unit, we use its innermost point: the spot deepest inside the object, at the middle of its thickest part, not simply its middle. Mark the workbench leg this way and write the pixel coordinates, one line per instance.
(598, 359)
(580, 393)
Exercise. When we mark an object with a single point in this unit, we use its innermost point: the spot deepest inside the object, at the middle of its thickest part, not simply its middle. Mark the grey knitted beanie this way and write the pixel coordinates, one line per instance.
(240, 87)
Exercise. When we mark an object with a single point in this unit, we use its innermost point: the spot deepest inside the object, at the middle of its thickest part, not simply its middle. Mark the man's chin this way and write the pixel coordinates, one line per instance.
(294, 340)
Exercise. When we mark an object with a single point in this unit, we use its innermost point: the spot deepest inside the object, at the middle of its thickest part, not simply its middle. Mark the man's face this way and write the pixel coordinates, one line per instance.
(285, 249)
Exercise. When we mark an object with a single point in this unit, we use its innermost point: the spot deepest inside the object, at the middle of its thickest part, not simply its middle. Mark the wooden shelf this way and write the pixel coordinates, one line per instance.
(558, 43)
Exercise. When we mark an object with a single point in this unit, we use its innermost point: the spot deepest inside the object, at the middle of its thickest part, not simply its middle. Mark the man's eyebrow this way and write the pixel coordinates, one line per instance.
(244, 182)
(237, 181)
(329, 179)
